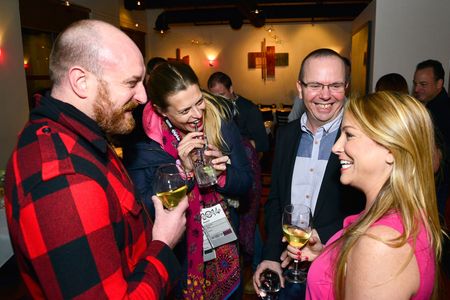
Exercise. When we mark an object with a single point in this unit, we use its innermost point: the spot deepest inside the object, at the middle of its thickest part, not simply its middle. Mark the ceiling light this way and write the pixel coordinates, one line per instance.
(161, 24)
(257, 11)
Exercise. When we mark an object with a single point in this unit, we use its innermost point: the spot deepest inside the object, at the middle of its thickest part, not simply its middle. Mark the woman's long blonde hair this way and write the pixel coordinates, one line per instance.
(215, 113)
(402, 125)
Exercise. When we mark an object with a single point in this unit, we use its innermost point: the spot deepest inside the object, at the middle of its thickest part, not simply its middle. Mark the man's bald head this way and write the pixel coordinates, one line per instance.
(82, 44)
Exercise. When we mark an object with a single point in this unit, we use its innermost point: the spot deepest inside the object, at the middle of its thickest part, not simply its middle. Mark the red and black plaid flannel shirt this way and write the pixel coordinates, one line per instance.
(75, 225)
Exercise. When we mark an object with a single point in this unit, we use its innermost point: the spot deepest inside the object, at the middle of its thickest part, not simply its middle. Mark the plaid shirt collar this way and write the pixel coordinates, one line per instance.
(69, 116)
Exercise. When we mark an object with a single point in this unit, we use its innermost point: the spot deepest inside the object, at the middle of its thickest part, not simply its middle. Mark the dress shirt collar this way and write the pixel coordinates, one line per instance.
(328, 127)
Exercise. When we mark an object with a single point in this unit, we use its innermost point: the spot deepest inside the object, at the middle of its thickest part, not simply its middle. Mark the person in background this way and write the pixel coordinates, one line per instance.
(392, 248)
(77, 228)
(255, 140)
(297, 110)
(392, 82)
(348, 71)
(246, 113)
(176, 122)
(304, 170)
(138, 141)
(429, 89)
(152, 64)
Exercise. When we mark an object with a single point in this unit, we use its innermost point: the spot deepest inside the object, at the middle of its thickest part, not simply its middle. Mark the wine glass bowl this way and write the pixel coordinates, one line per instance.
(296, 236)
(269, 284)
(170, 184)
(296, 226)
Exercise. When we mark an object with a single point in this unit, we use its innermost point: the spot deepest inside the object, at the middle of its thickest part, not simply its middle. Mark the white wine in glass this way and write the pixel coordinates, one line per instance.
(296, 236)
(170, 184)
(297, 230)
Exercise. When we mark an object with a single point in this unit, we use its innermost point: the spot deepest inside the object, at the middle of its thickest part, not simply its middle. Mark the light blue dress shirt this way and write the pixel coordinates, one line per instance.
(312, 158)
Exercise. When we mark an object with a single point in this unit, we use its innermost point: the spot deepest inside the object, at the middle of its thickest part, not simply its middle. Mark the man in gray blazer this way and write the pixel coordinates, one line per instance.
(304, 170)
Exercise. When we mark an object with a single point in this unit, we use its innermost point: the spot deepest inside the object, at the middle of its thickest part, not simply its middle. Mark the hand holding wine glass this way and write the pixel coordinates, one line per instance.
(170, 184)
(309, 252)
(297, 231)
(169, 225)
(269, 285)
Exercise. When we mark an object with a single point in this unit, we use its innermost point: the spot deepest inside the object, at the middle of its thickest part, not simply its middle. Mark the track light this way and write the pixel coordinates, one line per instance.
(161, 24)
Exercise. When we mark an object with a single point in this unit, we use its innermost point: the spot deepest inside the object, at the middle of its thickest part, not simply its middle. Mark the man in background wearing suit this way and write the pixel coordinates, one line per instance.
(304, 170)
(428, 87)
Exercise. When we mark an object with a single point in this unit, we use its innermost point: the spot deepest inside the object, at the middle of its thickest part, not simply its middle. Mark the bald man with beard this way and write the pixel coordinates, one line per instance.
(77, 228)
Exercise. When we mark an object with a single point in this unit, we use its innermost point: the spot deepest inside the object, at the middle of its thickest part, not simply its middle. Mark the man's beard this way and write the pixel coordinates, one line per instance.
(112, 121)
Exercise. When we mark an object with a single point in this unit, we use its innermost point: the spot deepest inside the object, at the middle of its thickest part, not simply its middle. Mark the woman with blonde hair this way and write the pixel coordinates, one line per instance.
(390, 250)
(176, 121)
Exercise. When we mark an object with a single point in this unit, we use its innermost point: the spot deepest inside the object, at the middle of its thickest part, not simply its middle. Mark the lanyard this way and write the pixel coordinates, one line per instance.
(172, 129)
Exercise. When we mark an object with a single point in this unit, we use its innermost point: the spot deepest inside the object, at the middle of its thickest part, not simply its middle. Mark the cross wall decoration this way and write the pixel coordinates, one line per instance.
(267, 60)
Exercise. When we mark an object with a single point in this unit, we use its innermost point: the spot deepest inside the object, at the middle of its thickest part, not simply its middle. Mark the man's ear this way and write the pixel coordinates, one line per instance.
(440, 83)
(78, 80)
(231, 90)
(299, 89)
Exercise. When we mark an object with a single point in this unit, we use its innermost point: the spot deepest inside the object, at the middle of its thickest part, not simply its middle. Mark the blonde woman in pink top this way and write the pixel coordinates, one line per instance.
(391, 250)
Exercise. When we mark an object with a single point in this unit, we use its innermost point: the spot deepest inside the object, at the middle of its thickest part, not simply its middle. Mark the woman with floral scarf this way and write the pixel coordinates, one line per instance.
(176, 121)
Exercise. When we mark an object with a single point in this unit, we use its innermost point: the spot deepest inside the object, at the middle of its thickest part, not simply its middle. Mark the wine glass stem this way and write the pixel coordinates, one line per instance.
(296, 266)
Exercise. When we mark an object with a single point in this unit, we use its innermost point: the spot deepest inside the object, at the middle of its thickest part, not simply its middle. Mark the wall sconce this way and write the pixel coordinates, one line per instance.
(25, 64)
(269, 29)
(211, 60)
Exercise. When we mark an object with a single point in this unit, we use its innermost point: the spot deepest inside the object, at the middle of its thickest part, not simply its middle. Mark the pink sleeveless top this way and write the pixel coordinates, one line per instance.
(320, 275)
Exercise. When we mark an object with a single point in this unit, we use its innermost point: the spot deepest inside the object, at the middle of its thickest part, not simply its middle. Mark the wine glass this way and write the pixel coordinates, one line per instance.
(170, 184)
(270, 284)
(297, 230)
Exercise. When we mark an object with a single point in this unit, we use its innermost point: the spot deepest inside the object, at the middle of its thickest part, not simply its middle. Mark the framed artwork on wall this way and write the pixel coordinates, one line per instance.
(267, 60)
(360, 58)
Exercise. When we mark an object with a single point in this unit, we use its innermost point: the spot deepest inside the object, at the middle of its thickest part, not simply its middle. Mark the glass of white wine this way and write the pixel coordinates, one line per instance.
(297, 230)
(170, 184)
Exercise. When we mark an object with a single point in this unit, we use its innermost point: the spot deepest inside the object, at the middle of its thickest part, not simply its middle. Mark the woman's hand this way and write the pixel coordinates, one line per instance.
(190, 141)
(219, 161)
(285, 258)
(308, 253)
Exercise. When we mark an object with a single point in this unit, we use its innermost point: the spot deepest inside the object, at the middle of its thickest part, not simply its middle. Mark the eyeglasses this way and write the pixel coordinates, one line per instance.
(337, 87)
